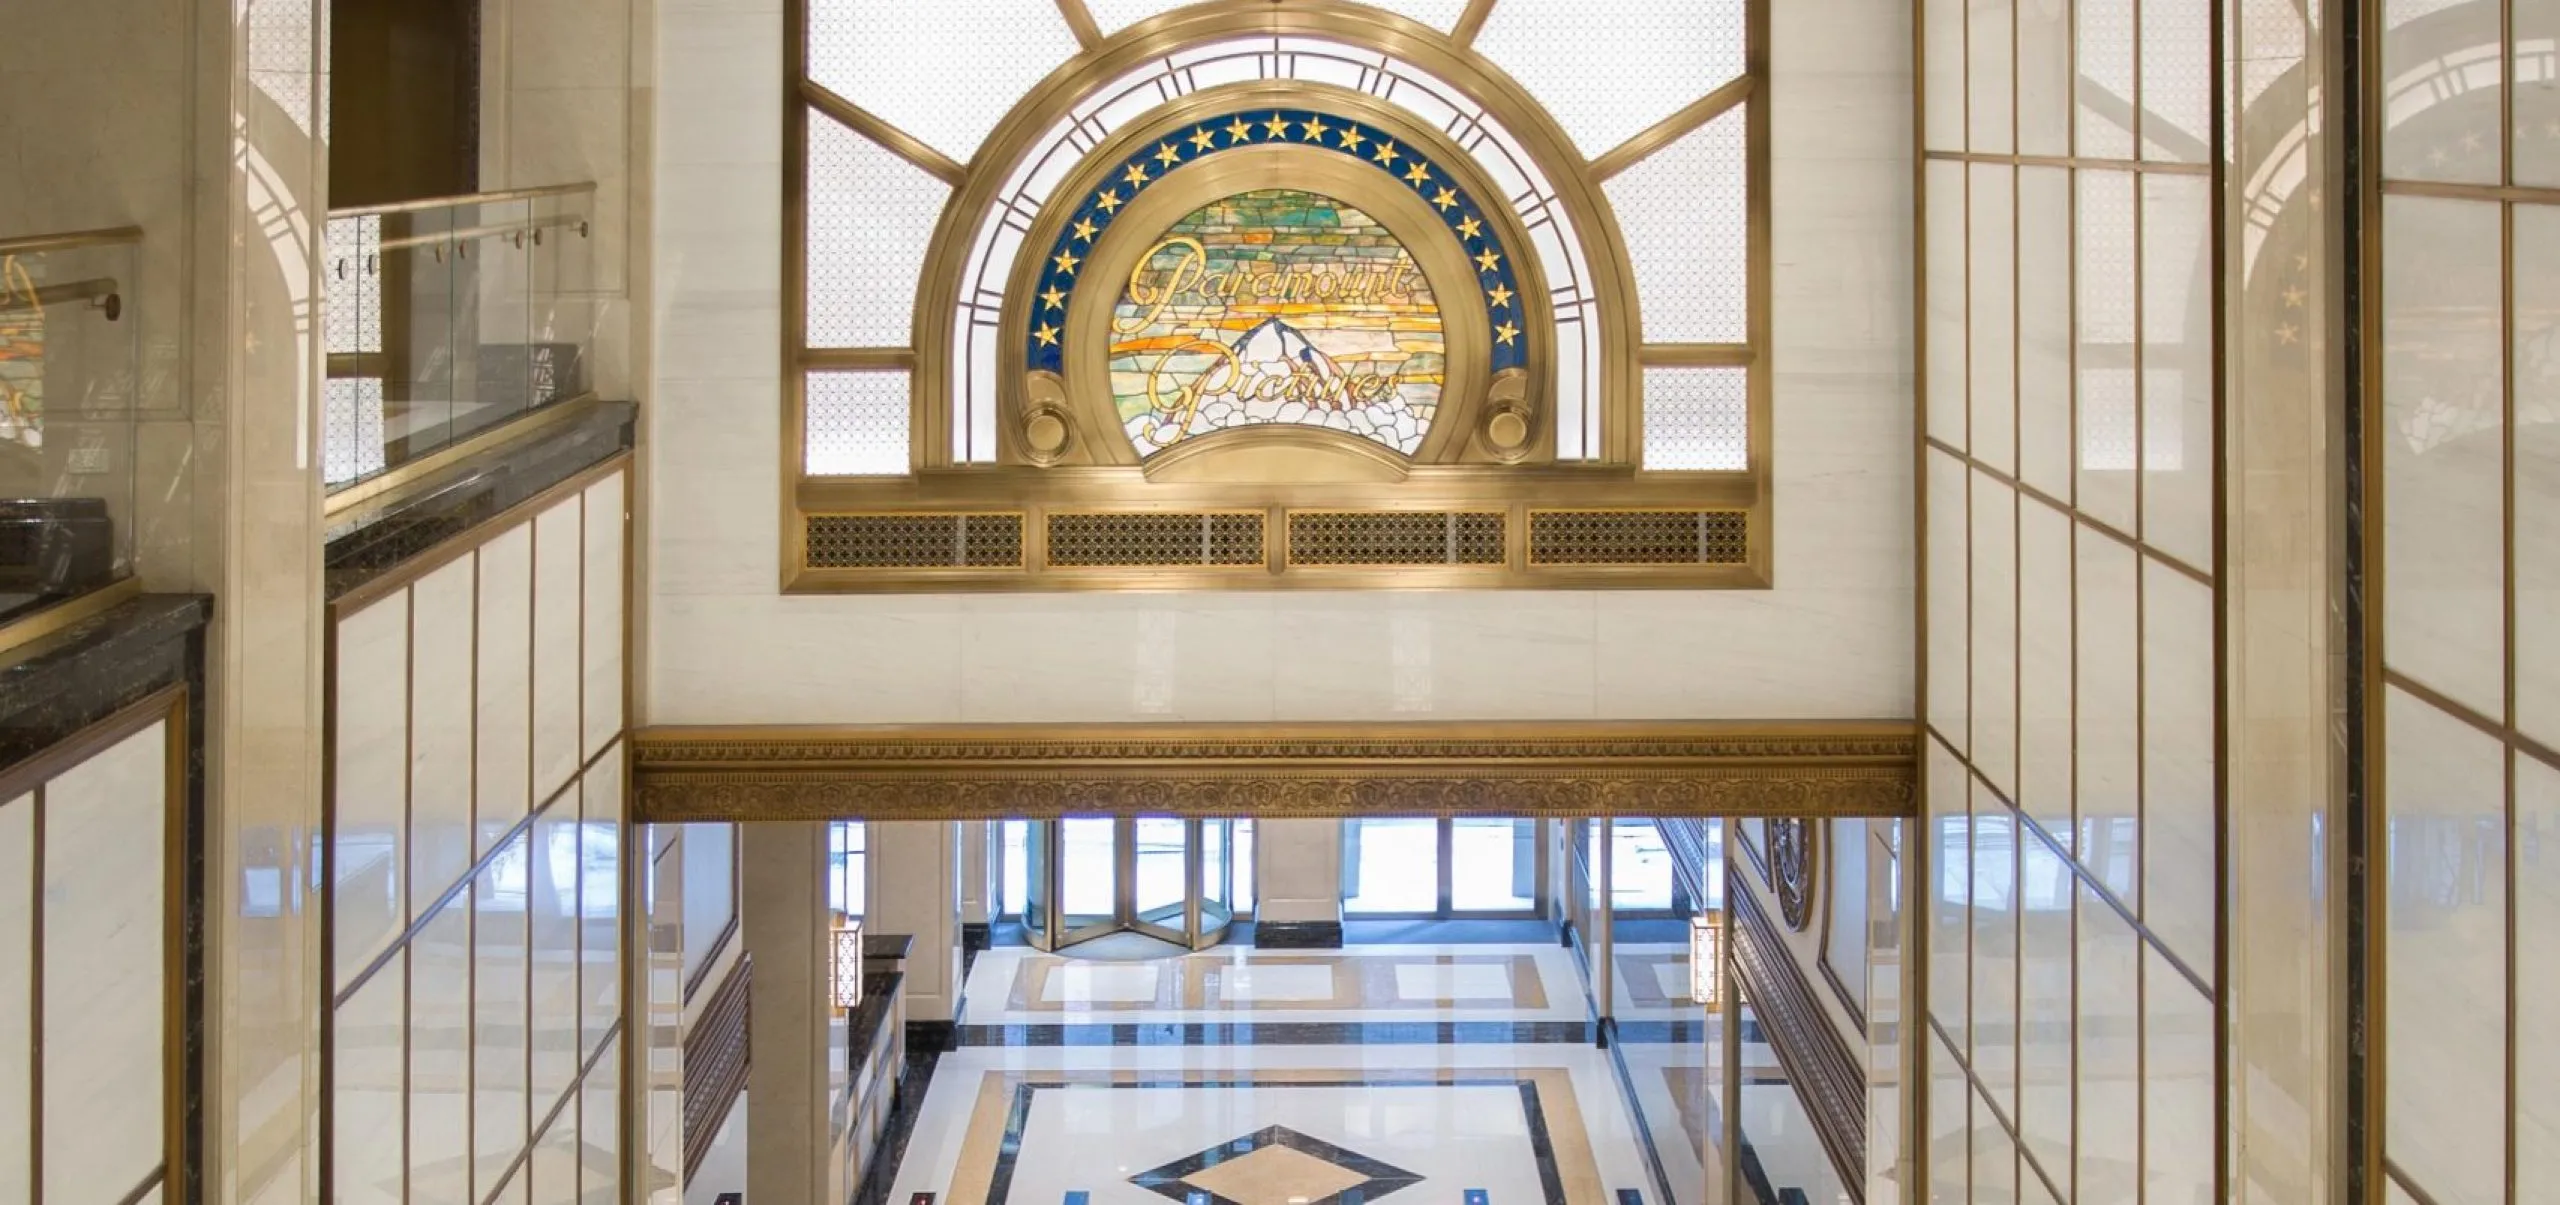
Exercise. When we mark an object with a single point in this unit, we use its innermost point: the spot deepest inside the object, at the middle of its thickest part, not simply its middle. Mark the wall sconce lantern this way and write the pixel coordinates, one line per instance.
(847, 976)
(1706, 958)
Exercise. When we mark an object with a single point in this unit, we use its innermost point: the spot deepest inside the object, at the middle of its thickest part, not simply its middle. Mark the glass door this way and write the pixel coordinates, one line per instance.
(1161, 876)
(1090, 878)
(1440, 869)
(1167, 878)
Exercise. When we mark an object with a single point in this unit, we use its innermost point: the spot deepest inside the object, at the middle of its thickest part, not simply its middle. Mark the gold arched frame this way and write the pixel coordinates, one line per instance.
(1608, 482)
(1371, 190)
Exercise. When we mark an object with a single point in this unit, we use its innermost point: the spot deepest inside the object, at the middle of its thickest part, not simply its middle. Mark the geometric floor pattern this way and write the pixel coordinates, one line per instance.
(1275, 1165)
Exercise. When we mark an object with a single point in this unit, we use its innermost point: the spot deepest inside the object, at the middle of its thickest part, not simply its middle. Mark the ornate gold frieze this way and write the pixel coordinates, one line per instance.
(1301, 770)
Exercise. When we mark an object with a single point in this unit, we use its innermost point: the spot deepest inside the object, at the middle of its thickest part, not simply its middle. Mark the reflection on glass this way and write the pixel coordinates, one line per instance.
(847, 865)
(1391, 866)
(1640, 873)
(1160, 857)
(1493, 865)
(1216, 877)
(1088, 871)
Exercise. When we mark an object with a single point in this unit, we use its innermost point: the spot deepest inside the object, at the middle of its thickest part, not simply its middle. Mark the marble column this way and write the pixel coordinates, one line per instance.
(784, 921)
(1299, 883)
(915, 890)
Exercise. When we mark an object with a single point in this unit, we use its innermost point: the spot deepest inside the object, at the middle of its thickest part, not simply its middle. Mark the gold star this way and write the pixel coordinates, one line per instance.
(1419, 173)
(1447, 200)
(1277, 127)
(1166, 155)
(2287, 333)
(1470, 227)
(2293, 298)
(1238, 131)
(1066, 262)
(1312, 129)
(1053, 299)
(1203, 140)
(2471, 140)
(1352, 138)
(1047, 335)
(1136, 175)
(1108, 201)
(1499, 297)
(1489, 261)
(1505, 334)
(1084, 230)
(1386, 153)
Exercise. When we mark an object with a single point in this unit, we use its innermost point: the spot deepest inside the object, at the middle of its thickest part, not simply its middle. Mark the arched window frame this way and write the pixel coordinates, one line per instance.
(947, 375)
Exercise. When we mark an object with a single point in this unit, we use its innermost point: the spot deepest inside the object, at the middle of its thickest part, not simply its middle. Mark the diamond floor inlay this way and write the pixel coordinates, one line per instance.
(1277, 1165)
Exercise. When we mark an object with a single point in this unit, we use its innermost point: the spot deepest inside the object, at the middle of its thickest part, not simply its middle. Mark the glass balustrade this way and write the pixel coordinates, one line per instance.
(448, 318)
(70, 360)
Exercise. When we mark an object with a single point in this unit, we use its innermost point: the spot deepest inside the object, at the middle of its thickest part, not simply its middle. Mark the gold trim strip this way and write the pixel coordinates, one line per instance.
(2080, 163)
(2524, 194)
(70, 240)
(1471, 22)
(476, 198)
(858, 358)
(1699, 355)
(522, 426)
(1080, 22)
(1673, 128)
(898, 142)
(445, 552)
(80, 608)
(476, 233)
(969, 771)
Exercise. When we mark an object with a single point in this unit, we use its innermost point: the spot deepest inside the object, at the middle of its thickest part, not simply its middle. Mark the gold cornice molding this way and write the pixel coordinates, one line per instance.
(986, 771)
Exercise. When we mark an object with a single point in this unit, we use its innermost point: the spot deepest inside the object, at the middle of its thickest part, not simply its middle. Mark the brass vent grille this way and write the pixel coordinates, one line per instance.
(1398, 538)
(894, 541)
(1156, 539)
(1639, 537)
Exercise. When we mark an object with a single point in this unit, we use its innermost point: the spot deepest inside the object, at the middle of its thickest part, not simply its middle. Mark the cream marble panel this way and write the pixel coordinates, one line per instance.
(2445, 1108)
(502, 749)
(552, 902)
(1950, 1124)
(714, 447)
(1990, 39)
(555, 1175)
(804, 659)
(2044, 328)
(369, 850)
(1995, 949)
(2109, 717)
(440, 1056)
(599, 902)
(1942, 26)
(2103, 316)
(2108, 1036)
(2177, 1085)
(1946, 253)
(371, 1160)
(1119, 657)
(2177, 368)
(600, 1107)
(1950, 656)
(2178, 813)
(2045, 1009)
(2045, 616)
(1991, 315)
(559, 540)
(1455, 655)
(2044, 79)
(2443, 447)
(500, 1015)
(17, 994)
(1745, 654)
(2537, 464)
(1995, 632)
(604, 619)
(2537, 978)
(105, 951)
(1949, 899)
(441, 704)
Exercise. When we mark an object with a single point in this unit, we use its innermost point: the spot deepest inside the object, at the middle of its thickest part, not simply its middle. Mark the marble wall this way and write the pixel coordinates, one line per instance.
(475, 891)
(1831, 640)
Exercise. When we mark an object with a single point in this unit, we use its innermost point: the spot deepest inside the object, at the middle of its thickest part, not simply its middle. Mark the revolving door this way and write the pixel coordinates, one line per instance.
(1166, 878)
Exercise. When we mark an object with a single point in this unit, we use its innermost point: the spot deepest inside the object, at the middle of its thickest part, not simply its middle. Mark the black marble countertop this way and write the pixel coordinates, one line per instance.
(886, 945)
(57, 685)
(879, 990)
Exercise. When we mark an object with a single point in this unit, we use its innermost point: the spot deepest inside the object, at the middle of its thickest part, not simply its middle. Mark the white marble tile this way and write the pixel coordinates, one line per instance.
(2180, 893)
(367, 1098)
(1991, 315)
(604, 624)
(1950, 1111)
(2109, 579)
(1117, 657)
(1258, 984)
(2537, 978)
(503, 747)
(2045, 634)
(2537, 485)
(2107, 1033)
(2177, 369)
(2445, 1104)
(1101, 983)
(2044, 1006)
(599, 904)
(559, 539)
(2044, 330)
(720, 85)
(1950, 587)
(17, 992)
(369, 858)
(1454, 982)
(551, 896)
(714, 446)
(809, 659)
(1948, 825)
(1990, 86)
(105, 884)
(1944, 247)
(2177, 1086)
(440, 716)
(1994, 557)
(1453, 655)
(1994, 986)
(440, 1046)
(501, 1018)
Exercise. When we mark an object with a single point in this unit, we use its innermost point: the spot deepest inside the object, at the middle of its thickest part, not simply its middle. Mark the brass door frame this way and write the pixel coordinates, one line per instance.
(1194, 933)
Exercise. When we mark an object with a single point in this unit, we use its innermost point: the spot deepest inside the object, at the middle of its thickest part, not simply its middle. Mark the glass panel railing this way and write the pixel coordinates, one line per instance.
(448, 318)
(70, 353)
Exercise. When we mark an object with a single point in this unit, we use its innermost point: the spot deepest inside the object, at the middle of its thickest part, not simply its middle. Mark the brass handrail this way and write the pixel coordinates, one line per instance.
(477, 198)
(100, 289)
(71, 240)
(473, 233)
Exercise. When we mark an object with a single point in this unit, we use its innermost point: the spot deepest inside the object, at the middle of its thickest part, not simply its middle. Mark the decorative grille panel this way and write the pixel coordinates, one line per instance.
(1638, 537)
(1685, 212)
(1397, 538)
(943, 72)
(1697, 418)
(871, 216)
(965, 541)
(1155, 539)
(1608, 72)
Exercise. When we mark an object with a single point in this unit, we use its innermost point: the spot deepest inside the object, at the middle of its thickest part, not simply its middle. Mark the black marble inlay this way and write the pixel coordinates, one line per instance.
(936, 1036)
(378, 538)
(1297, 935)
(1283, 1033)
(1172, 1180)
(976, 937)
